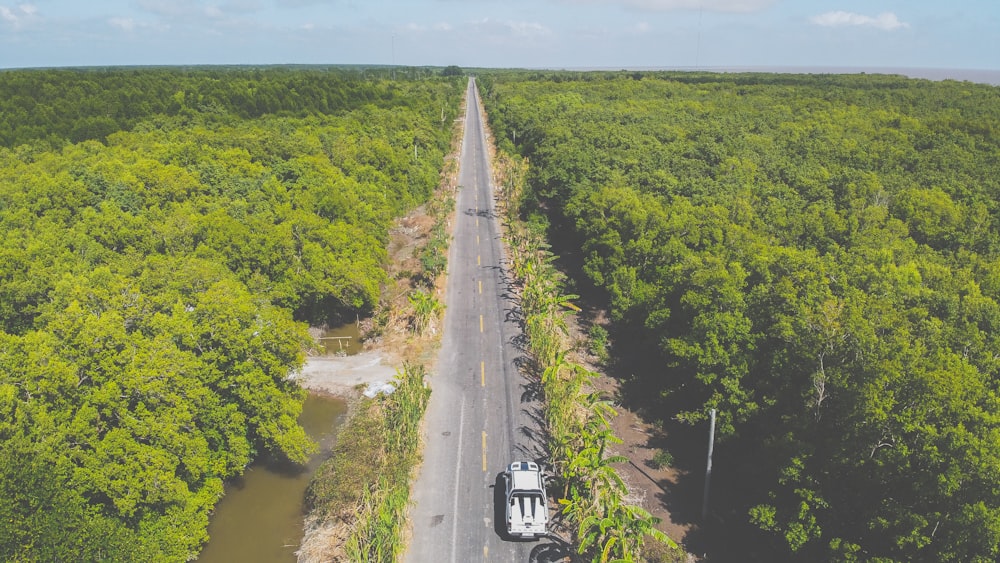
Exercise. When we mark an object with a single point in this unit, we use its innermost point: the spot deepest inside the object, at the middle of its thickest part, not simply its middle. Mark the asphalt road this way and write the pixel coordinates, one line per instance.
(482, 414)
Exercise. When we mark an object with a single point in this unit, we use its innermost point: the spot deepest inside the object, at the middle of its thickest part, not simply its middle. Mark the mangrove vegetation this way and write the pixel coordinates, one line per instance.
(168, 234)
(818, 258)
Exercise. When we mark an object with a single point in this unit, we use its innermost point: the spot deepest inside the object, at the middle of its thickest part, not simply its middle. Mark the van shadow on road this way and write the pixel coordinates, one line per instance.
(554, 551)
(484, 213)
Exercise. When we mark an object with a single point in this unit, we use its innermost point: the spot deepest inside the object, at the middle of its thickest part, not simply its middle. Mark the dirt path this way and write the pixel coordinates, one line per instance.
(649, 486)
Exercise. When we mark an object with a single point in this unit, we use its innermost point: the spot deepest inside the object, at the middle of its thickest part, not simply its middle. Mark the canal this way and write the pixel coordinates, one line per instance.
(260, 519)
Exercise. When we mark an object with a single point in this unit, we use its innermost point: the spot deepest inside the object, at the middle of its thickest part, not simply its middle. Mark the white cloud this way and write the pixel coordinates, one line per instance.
(887, 20)
(131, 24)
(528, 28)
(675, 5)
(423, 28)
(642, 27)
(198, 8)
(505, 28)
(127, 24)
(19, 15)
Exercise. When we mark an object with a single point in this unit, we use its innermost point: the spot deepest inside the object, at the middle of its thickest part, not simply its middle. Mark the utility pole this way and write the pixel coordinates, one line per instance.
(708, 467)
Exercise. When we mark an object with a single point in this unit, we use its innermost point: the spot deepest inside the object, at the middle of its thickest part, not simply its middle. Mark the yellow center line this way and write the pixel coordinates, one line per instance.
(482, 373)
(479, 260)
(486, 551)
(480, 323)
(484, 451)
(480, 287)
(477, 221)
(477, 239)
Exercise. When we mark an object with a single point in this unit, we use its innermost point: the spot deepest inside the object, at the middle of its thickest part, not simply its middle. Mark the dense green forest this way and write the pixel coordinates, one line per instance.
(167, 235)
(818, 257)
(80, 104)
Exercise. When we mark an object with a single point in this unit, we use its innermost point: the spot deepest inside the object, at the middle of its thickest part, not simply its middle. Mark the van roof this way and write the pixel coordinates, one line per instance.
(525, 477)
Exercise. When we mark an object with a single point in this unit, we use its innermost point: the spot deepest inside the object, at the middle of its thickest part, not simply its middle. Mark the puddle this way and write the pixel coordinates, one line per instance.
(344, 340)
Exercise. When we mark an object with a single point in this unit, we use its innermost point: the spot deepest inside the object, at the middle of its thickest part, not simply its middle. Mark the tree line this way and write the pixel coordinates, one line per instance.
(56, 106)
(815, 256)
(156, 285)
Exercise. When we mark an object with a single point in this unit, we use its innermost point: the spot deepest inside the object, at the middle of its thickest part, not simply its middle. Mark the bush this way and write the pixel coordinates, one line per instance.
(662, 459)
(599, 343)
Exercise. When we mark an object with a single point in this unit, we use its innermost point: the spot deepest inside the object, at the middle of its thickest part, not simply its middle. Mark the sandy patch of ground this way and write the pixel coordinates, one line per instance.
(345, 375)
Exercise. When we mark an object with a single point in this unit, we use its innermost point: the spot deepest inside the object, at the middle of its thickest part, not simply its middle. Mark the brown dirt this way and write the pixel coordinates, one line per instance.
(647, 484)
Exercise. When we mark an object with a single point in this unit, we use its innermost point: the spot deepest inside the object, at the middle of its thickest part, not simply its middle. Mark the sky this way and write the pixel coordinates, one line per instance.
(684, 34)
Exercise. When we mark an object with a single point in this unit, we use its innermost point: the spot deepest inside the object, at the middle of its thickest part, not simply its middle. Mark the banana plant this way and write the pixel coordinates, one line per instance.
(425, 308)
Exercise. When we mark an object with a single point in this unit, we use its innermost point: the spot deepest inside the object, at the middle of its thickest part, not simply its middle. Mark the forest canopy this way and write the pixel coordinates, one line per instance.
(78, 104)
(168, 234)
(817, 257)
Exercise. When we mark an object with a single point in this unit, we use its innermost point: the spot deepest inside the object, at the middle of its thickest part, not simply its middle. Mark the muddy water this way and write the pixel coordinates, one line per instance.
(344, 339)
(260, 519)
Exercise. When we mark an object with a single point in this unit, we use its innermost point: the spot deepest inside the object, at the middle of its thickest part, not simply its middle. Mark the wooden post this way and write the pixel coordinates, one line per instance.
(340, 340)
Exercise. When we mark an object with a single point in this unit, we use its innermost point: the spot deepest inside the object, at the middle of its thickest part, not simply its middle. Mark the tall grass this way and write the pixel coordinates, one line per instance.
(365, 486)
(434, 254)
(377, 535)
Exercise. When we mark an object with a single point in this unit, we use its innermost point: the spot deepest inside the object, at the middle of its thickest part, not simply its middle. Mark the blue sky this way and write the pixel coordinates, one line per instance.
(962, 34)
